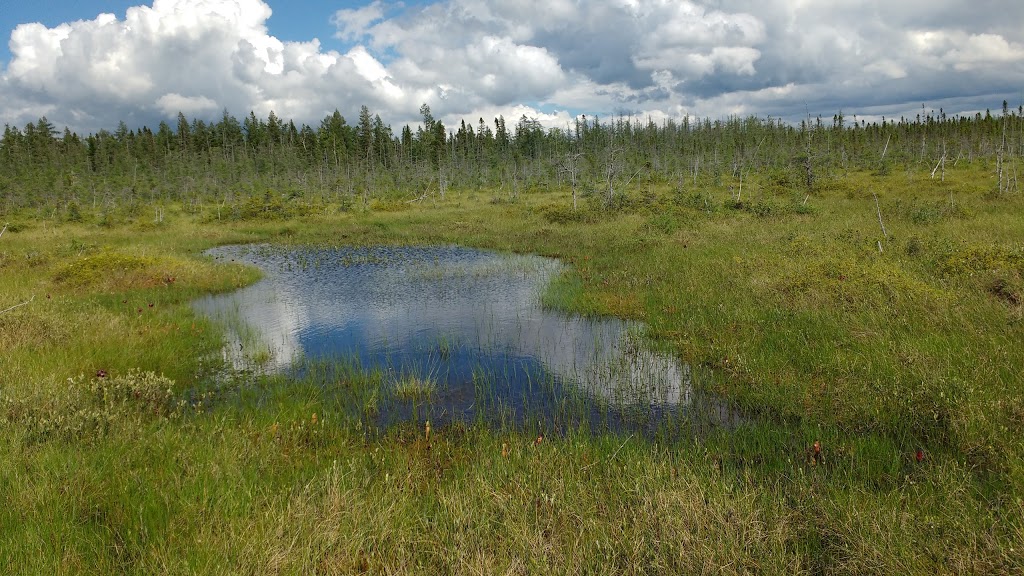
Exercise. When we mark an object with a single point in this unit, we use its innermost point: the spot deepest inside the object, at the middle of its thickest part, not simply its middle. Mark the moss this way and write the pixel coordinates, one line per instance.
(983, 258)
(114, 270)
(564, 214)
(389, 205)
(90, 269)
(850, 283)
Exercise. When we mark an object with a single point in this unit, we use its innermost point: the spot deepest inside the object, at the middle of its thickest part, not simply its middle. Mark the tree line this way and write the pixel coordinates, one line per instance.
(227, 161)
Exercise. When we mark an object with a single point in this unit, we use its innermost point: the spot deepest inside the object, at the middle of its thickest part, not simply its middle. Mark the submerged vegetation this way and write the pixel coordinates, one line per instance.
(855, 292)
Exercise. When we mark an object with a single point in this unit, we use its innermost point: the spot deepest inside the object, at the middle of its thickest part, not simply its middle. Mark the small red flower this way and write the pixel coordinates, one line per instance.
(920, 455)
(101, 373)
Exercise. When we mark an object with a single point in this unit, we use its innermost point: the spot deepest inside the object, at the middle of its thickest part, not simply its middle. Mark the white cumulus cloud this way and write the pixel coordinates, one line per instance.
(353, 23)
(189, 105)
(549, 59)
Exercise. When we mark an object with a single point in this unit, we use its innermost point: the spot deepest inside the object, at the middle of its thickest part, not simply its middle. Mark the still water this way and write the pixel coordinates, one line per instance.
(468, 323)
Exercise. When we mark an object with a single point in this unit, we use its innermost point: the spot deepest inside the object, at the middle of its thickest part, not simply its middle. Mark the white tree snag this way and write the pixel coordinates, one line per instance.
(25, 303)
(879, 209)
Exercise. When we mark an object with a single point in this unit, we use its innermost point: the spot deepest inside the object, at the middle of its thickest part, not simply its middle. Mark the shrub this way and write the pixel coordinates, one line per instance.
(562, 214)
(664, 222)
(92, 408)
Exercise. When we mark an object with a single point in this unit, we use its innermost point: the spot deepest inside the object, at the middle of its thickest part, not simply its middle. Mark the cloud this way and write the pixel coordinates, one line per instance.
(550, 59)
(189, 105)
(353, 23)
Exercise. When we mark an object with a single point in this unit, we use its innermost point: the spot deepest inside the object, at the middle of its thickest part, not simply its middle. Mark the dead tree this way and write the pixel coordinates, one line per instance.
(612, 168)
(571, 166)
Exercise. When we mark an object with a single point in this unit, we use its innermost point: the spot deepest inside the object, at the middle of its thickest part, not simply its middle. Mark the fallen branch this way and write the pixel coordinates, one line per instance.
(25, 303)
(877, 207)
(612, 457)
(937, 164)
(633, 176)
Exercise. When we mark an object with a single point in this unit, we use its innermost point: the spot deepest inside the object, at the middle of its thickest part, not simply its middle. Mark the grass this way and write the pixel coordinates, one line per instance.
(786, 304)
(412, 387)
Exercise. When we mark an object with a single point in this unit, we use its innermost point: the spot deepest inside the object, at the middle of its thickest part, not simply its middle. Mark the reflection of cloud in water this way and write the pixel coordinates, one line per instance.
(397, 300)
(258, 317)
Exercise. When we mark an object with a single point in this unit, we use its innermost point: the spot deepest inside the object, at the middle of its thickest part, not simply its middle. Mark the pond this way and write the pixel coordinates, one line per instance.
(453, 334)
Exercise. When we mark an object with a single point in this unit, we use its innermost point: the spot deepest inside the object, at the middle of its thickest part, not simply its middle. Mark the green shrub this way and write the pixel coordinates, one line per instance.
(73, 212)
(665, 223)
(91, 408)
(564, 214)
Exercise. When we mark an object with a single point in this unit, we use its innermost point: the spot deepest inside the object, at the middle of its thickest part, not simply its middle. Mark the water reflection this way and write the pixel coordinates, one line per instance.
(454, 316)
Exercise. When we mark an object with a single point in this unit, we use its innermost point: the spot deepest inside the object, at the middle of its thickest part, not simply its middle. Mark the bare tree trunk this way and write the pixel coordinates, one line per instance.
(999, 171)
(942, 177)
(611, 169)
(570, 165)
(515, 180)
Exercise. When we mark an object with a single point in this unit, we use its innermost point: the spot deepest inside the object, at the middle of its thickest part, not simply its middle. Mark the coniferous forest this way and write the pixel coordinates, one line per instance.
(272, 165)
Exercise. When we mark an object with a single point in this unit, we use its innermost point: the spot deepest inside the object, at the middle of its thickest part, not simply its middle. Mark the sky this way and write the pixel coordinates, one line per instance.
(88, 65)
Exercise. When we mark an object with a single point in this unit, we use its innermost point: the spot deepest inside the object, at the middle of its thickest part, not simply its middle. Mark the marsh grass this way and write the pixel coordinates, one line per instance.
(793, 316)
(410, 387)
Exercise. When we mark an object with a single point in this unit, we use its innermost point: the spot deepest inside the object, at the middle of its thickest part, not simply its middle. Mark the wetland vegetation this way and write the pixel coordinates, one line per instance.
(853, 292)
(462, 329)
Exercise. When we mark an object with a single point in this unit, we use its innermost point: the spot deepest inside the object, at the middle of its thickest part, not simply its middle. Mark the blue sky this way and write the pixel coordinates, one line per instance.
(546, 59)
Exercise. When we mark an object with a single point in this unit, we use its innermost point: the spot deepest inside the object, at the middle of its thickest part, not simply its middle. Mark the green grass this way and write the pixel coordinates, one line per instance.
(412, 387)
(784, 302)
